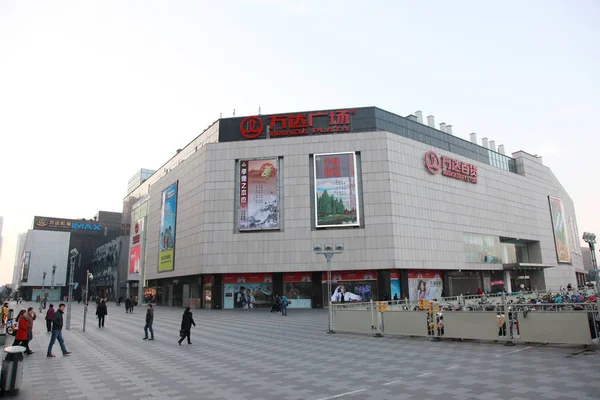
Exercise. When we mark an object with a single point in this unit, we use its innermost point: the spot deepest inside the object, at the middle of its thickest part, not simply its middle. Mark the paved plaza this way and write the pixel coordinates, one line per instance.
(241, 354)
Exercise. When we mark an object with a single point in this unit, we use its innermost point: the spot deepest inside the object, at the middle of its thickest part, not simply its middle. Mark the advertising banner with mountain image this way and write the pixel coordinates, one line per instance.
(336, 194)
(561, 230)
(258, 195)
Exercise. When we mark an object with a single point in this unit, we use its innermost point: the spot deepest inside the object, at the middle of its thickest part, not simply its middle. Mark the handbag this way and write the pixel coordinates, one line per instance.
(182, 333)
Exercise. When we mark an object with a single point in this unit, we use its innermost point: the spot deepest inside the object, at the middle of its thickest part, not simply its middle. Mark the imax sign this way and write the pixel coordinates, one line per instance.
(86, 227)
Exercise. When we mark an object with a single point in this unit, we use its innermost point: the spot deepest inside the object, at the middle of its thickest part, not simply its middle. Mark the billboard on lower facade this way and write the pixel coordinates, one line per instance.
(258, 195)
(561, 230)
(239, 290)
(348, 286)
(395, 285)
(168, 219)
(297, 286)
(424, 284)
(336, 194)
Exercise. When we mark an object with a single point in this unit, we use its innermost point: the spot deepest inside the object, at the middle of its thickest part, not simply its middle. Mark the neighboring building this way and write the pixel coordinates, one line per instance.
(47, 249)
(419, 212)
(16, 282)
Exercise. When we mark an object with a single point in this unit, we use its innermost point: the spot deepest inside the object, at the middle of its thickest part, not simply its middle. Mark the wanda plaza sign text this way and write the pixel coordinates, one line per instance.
(298, 124)
(450, 167)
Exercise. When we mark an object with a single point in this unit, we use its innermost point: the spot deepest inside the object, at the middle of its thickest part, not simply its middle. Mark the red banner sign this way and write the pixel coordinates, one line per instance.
(298, 124)
(394, 274)
(351, 276)
(297, 277)
(450, 167)
(423, 274)
(247, 278)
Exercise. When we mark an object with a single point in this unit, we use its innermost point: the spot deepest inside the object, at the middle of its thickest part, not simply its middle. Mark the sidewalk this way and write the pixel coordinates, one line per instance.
(241, 354)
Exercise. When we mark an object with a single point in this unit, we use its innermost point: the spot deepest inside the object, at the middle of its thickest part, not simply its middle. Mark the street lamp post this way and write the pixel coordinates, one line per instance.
(53, 275)
(328, 251)
(74, 253)
(590, 239)
(88, 276)
(43, 289)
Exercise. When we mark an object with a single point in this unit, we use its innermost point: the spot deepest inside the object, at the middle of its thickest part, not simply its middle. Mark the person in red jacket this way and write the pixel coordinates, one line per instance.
(22, 338)
(49, 318)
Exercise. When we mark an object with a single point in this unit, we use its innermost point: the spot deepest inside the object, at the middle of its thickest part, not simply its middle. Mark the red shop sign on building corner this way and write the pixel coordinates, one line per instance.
(297, 124)
(450, 167)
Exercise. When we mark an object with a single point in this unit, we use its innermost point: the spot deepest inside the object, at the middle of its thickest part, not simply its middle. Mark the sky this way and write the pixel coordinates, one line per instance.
(92, 91)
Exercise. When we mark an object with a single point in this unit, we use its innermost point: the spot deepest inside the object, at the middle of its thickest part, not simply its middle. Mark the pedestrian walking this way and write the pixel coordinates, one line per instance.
(101, 312)
(149, 321)
(22, 337)
(284, 304)
(276, 303)
(187, 321)
(127, 305)
(49, 318)
(119, 301)
(32, 317)
(57, 325)
(4, 313)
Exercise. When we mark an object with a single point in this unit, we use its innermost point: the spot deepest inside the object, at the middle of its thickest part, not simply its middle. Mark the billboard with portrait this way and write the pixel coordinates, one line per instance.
(349, 286)
(336, 194)
(561, 230)
(168, 219)
(424, 285)
(239, 288)
(258, 194)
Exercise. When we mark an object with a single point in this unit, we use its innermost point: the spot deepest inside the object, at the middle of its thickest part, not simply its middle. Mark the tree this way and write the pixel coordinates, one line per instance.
(5, 292)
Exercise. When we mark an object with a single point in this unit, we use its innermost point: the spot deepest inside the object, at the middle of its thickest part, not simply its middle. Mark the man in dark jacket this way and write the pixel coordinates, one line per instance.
(101, 312)
(57, 324)
(127, 305)
(186, 325)
(149, 321)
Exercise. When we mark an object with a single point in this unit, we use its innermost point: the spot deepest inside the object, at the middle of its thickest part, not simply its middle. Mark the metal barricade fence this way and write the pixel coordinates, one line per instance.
(509, 322)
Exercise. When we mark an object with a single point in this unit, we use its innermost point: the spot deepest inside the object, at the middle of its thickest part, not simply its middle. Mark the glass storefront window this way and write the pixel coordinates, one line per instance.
(488, 249)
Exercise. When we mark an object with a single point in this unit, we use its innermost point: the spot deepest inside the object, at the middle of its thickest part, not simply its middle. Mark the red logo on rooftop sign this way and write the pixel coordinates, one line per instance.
(450, 167)
(298, 124)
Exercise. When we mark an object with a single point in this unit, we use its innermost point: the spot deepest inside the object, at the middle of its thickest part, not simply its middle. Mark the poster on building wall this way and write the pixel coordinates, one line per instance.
(336, 194)
(135, 248)
(258, 195)
(168, 219)
(348, 286)
(575, 234)
(424, 285)
(297, 286)
(241, 290)
(561, 230)
(395, 285)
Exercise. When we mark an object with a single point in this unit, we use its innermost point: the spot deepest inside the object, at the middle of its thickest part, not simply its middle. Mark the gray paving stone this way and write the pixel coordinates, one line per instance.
(257, 355)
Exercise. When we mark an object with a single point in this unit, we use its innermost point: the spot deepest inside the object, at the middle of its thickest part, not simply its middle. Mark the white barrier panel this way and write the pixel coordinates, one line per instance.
(409, 323)
(471, 325)
(555, 327)
(349, 320)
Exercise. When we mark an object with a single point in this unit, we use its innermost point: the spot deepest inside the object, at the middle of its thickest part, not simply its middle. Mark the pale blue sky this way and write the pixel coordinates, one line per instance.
(92, 91)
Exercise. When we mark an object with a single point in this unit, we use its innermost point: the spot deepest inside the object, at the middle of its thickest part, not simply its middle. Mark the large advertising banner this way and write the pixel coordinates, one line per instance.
(336, 194)
(239, 290)
(347, 286)
(424, 285)
(135, 249)
(395, 285)
(168, 217)
(297, 286)
(561, 230)
(258, 195)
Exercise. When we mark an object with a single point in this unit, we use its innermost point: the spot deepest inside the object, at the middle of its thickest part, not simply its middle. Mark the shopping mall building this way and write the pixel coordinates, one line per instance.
(420, 213)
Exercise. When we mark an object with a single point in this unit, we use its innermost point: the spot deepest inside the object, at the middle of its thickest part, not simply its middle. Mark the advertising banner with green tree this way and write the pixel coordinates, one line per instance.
(336, 194)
